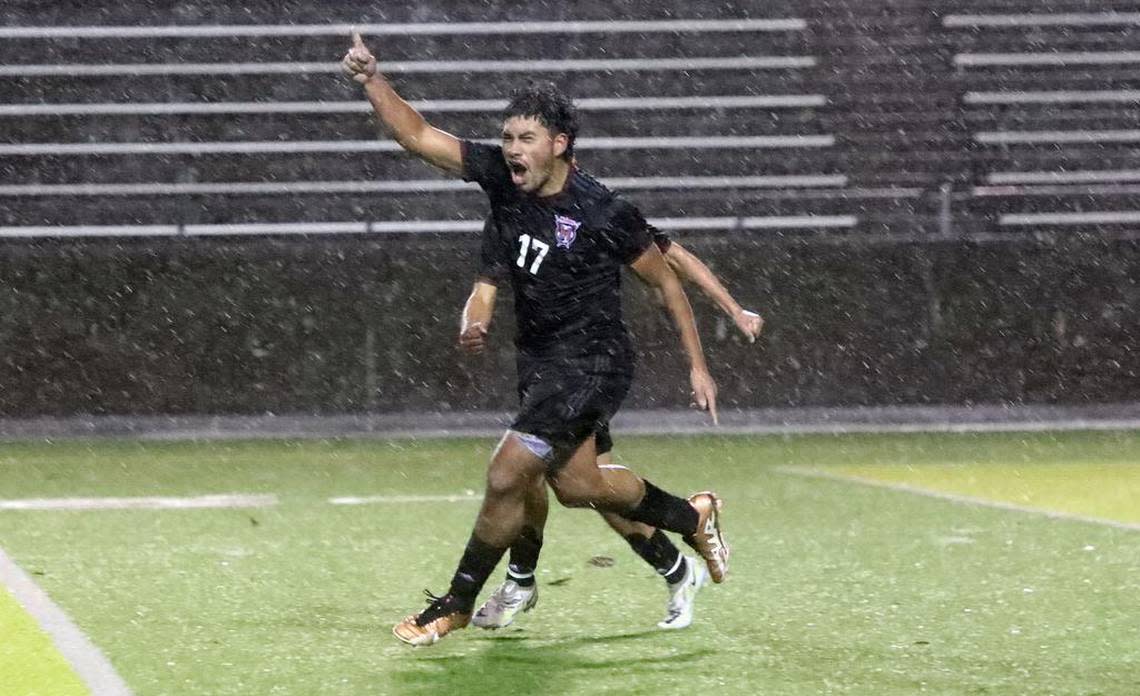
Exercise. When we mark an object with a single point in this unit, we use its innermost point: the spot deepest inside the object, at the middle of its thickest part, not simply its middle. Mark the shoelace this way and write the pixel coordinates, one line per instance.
(437, 606)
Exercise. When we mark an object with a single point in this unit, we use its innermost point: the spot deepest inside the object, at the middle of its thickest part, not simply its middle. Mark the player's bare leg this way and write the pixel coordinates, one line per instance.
(519, 591)
(580, 482)
(512, 473)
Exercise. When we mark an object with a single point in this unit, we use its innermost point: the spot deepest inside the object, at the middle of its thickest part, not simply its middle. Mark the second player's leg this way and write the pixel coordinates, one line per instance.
(579, 482)
(683, 576)
(619, 524)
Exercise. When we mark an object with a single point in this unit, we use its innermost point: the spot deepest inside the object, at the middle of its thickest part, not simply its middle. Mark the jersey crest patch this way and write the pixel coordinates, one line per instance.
(565, 231)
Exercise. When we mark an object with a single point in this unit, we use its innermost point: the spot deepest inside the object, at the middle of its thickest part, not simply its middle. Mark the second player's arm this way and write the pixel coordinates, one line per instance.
(688, 267)
(408, 126)
(652, 268)
(476, 319)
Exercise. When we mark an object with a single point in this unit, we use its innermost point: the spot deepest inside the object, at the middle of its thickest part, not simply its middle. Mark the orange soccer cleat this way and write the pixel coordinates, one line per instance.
(442, 616)
(708, 540)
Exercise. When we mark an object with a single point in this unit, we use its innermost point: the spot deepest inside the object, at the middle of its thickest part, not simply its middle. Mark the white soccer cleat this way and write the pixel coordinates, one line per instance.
(506, 602)
(683, 595)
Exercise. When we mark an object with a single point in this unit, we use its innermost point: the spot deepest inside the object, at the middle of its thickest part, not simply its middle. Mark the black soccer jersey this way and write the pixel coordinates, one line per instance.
(661, 239)
(562, 256)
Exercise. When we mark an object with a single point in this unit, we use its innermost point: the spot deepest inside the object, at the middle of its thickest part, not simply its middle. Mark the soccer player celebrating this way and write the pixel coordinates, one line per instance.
(559, 238)
(683, 576)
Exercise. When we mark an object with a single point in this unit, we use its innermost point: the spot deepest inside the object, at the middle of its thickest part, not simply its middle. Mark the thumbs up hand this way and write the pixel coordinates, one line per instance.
(359, 64)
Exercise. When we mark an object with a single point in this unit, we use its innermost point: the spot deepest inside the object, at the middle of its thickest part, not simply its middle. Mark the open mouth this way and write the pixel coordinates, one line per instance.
(518, 172)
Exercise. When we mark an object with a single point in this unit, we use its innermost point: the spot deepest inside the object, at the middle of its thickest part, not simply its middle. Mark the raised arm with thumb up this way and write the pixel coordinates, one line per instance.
(359, 63)
(406, 124)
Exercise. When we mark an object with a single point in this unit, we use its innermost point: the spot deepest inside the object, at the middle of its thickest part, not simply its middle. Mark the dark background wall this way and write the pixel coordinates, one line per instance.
(358, 324)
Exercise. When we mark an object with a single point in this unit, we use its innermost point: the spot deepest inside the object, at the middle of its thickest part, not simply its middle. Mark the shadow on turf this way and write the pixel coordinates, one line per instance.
(520, 664)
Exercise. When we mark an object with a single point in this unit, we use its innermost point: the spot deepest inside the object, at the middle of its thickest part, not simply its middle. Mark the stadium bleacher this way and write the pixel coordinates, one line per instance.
(1019, 113)
(917, 130)
(199, 113)
(1016, 111)
(1050, 98)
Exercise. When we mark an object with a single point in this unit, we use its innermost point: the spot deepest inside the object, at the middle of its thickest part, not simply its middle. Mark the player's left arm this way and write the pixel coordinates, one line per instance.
(651, 267)
(689, 267)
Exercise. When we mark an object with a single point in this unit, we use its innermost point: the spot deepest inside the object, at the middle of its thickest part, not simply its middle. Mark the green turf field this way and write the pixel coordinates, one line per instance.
(836, 587)
(29, 663)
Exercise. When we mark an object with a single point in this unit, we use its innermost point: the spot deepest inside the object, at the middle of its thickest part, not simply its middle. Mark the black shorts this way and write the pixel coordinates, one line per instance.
(603, 440)
(565, 401)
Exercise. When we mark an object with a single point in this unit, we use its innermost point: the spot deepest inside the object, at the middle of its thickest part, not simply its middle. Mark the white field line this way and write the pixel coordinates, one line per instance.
(765, 101)
(672, 26)
(75, 70)
(89, 663)
(955, 498)
(386, 499)
(234, 500)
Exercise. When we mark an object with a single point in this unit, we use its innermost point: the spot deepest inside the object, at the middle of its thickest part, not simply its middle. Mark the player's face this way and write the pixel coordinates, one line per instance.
(531, 151)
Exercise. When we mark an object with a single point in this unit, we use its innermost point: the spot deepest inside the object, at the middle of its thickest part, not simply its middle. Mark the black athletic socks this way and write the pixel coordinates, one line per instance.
(660, 553)
(664, 511)
(478, 561)
(524, 557)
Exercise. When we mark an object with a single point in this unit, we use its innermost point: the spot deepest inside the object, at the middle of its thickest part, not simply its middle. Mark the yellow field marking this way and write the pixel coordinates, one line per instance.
(30, 665)
(1093, 492)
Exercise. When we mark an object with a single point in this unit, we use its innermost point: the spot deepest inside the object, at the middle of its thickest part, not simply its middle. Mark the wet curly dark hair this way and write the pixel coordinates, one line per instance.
(550, 106)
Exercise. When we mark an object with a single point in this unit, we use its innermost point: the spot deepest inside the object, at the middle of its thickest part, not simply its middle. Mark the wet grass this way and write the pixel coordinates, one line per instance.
(836, 588)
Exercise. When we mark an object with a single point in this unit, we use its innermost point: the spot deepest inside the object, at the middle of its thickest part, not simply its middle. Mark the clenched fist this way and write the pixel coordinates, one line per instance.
(750, 324)
(473, 338)
(359, 63)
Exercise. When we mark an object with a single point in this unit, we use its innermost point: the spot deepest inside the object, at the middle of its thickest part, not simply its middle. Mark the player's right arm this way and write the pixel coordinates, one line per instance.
(480, 306)
(476, 320)
(407, 126)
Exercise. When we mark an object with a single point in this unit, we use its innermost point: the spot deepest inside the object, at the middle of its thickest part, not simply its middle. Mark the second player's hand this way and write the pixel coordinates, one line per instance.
(473, 338)
(750, 324)
(704, 392)
(359, 64)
